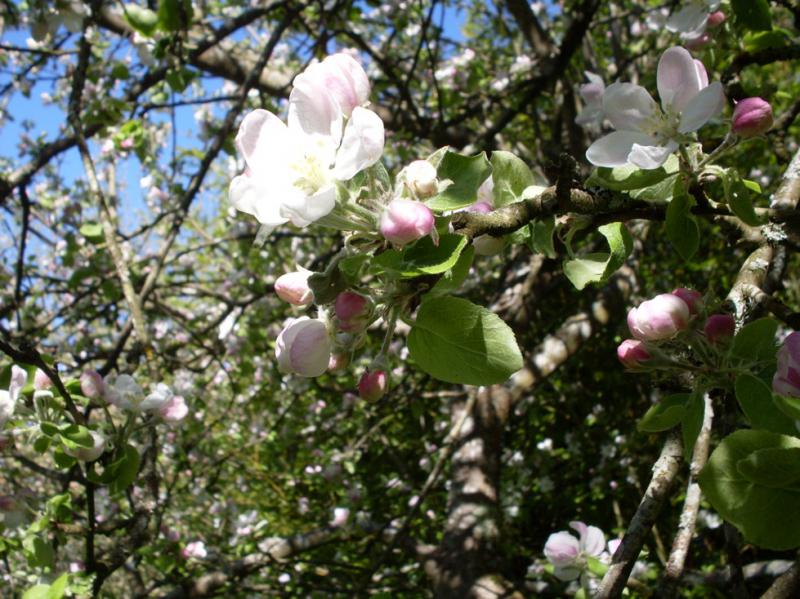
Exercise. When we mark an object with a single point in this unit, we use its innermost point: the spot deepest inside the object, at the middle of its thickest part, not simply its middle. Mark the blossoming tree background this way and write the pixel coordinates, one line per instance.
(400, 299)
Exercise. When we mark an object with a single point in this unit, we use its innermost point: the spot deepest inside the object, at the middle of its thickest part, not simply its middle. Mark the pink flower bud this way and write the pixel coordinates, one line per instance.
(481, 207)
(662, 317)
(405, 221)
(632, 353)
(92, 384)
(41, 381)
(787, 377)
(693, 299)
(751, 116)
(303, 347)
(293, 288)
(421, 178)
(372, 385)
(696, 43)
(716, 18)
(353, 311)
(719, 327)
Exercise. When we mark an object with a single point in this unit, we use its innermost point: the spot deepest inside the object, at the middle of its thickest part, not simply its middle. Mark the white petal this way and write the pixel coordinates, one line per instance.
(649, 156)
(346, 81)
(702, 108)
(614, 148)
(18, 378)
(245, 195)
(262, 138)
(628, 106)
(688, 19)
(362, 145)
(701, 73)
(303, 210)
(313, 110)
(590, 114)
(593, 541)
(678, 79)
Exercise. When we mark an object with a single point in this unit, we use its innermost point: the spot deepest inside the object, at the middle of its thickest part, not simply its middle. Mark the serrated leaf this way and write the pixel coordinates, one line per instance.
(738, 197)
(423, 258)
(774, 467)
(457, 341)
(124, 469)
(630, 177)
(597, 267)
(467, 173)
(755, 399)
(756, 341)
(452, 279)
(692, 423)
(541, 238)
(511, 176)
(681, 225)
(665, 414)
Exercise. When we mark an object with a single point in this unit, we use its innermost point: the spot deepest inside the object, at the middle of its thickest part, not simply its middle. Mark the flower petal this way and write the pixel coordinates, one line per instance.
(246, 195)
(593, 541)
(362, 145)
(702, 108)
(678, 79)
(688, 19)
(628, 106)
(262, 138)
(613, 149)
(647, 156)
(313, 110)
(303, 210)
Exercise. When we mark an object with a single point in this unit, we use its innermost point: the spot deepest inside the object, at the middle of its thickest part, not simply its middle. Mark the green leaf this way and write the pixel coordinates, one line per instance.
(49, 429)
(124, 469)
(738, 197)
(763, 40)
(682, 229)
(660, 193)
(767, 516)
(755, 342)
(327, 285)
(665, 414)
(63, 460)
(456, 341)
(775, 467)
(38, 552)
(39, 591)
(597, 267)
(629, 177)
(541, 238)
(467, 173)
(174, 15)
(453, 278)
(788, 405)
(41, 444)
(692, 423)
(93, 232)
(141, 19)
(755, 399)
(511, 176)
(752, 14)
(423, 257)
(75, 436)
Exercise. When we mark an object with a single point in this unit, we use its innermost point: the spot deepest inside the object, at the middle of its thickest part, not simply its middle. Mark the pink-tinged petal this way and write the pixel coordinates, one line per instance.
(362, 145)
(17, 382)
(702, 108)
(246, 193)
(783, 387)
(614, 148)
(346, 81)
(689, 19)
(303, 210)
(649, 157)
(261, 139)
(678, 79)
(793, 376)
(613, 545)
(312, 109)
(593, 542)
(303, 347)
(629, 107)
(702, 74)
(561, 549)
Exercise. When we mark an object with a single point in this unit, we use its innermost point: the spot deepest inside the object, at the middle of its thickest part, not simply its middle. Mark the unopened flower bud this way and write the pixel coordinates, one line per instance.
(662, 317)
(89, 454)
(719, 327)
(751, 116)
(41, 381)
(699, 42)
(303, 347)
(693, 299)
(353, 311)
(716, 18)
(92, 384)
(421, 178)
(404, 221)
(787, 377)
(372, 385)
(293, 288)
(632, 353)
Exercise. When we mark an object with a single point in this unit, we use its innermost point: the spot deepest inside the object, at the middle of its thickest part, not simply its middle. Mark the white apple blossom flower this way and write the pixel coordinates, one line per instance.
(8, 398)
(292, 168)
(691, 20)
(592, 95)
(569, 554)
(122, 391)
(647, 134)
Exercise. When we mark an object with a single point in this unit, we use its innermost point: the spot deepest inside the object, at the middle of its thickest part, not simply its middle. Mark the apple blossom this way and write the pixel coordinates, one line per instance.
(404, 221)
(303, 347)
(91, 384)
(293, 288)
(160, 397)
(372, 385)
(340, 517)
(646, 135)
(751, 116)
(719, 327)
(122, 391)
(292, 168)
(41, 381)
(592, 95)
(691, 20)
(662, 317)
(787, 377)
(89, 454)
(716, 18)
(568, 554)
(8, 398)
(195, 549)
(693, 299)
(420, 176)
(353, 311)
(632, 353)
(173, 410)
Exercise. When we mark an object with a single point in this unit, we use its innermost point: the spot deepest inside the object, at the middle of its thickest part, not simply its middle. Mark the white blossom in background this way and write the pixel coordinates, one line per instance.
(592, 95)
(8, 398)
(647, 134)
(568, 554)
(292, 168)
(692, 18)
